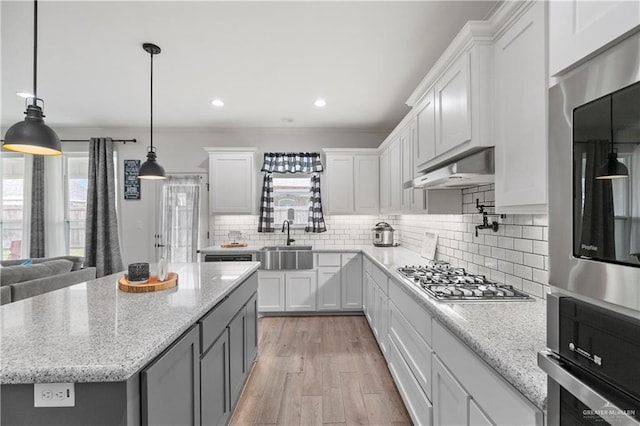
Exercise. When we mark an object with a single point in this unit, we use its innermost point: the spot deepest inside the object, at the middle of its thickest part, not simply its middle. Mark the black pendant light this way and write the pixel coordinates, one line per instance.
(150, 169)
(612, 168)
(32, 136)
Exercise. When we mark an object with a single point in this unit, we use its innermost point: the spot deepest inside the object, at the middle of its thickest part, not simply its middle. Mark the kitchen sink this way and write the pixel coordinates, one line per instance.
(285, 257)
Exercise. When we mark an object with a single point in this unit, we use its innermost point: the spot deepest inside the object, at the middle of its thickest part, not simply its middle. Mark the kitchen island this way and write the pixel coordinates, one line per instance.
(112, 346)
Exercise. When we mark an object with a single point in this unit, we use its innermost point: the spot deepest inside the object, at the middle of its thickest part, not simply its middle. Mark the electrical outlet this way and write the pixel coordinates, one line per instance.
(54, 395)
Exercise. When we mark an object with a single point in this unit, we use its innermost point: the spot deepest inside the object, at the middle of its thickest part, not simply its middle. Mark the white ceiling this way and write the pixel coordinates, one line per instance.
(268, 60)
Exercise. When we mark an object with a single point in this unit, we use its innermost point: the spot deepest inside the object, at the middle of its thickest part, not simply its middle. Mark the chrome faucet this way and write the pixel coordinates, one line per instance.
(289, 240)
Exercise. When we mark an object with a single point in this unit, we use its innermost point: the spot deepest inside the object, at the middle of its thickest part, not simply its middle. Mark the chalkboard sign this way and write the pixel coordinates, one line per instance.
(131, 181)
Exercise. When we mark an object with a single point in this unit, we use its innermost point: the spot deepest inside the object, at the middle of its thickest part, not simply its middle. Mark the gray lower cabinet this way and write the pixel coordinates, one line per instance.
(216, 404)
(252, 330)
(229, 333)
(237, 347)
(171, 384)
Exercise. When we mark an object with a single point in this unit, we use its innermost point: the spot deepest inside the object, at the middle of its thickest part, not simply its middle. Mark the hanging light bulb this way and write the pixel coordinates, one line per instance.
(32, 136)
(150, 169)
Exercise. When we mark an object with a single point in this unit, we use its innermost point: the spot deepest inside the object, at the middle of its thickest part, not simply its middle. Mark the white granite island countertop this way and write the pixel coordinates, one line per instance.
(93, 332)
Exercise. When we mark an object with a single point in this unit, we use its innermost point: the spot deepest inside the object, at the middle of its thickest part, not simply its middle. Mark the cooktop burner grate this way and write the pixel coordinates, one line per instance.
(453, 284)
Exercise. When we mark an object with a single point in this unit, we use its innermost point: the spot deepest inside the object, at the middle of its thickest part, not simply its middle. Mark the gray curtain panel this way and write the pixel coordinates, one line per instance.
(292, 162)
(36, 243)
(102, 247)
(316, 218)
(265, 222)
(598, 225)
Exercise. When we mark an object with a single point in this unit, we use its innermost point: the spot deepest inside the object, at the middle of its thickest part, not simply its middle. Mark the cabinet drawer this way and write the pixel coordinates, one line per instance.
(215, 321)
(499, 400)
(416, 353)
(415, 314)
(328, 259)
(416, 401)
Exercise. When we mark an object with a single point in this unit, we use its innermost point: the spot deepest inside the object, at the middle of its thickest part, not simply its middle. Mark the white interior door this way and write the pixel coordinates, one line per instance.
(182, 220)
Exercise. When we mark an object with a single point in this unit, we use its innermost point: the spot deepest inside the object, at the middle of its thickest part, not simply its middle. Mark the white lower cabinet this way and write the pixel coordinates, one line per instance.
(300, 291)
(351, 281)
(329, 288)
(450, 400)
(477, 417)
(417, 403)
(271, 291)
(290, 291)
(335, 285)
(493, 400)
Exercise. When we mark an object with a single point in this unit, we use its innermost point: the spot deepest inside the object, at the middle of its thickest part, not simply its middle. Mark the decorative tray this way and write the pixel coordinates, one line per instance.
(152, 284)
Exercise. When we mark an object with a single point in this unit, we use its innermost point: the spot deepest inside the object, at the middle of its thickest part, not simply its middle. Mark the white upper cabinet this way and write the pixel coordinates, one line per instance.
(579, 28)
(231, 180)
(395, 176)
(521, 114)
(425, 148)
(366, 174)
(352, 181)
(453, 106)
(340, 184)
(453, 103)
(412, 199)
(385, 187)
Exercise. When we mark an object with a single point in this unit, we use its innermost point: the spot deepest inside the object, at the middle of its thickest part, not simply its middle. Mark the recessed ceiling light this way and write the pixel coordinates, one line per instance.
(320, 103)
(24, 94)
(217, 102)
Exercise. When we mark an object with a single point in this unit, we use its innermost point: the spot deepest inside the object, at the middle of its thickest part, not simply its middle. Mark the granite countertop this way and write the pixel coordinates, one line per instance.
(93, 332)
(506, 335)
(336, 248)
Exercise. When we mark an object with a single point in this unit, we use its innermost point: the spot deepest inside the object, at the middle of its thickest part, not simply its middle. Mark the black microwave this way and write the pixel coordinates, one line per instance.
(606, 178)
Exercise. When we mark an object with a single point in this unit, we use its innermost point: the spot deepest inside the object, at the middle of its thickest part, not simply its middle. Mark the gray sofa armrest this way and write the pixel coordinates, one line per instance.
(5, 294)
(26, 289)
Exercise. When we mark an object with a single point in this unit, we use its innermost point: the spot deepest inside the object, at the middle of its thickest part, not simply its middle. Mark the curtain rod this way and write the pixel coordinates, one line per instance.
(124, 141)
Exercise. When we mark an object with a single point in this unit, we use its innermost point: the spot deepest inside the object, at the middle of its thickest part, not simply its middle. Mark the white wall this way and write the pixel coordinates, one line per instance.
(181, 151)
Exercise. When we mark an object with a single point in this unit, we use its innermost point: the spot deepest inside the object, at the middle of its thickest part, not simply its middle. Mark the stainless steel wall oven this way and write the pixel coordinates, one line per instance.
(593, 320)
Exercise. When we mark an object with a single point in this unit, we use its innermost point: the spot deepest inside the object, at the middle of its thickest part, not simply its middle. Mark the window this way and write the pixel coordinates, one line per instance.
(291, 198)
(76, 181)
(11, 222)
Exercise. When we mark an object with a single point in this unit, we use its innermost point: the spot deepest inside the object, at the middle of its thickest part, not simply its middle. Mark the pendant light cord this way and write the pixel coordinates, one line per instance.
(151, 90)
(35, 52)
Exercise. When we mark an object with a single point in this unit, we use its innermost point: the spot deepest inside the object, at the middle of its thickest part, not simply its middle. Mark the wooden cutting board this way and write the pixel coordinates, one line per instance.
(233, 245)
(153, 284)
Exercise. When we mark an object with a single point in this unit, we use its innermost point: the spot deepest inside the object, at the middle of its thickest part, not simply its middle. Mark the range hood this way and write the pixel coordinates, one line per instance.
(473, 169)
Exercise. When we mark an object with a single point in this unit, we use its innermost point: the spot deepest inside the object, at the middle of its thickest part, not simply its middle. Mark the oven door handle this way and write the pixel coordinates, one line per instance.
(550, 364)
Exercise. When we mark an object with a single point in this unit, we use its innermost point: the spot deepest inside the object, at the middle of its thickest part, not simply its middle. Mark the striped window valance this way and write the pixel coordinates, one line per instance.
(292, 162)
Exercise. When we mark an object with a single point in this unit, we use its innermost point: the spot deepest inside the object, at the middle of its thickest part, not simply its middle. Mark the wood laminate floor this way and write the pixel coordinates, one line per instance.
(319, 370)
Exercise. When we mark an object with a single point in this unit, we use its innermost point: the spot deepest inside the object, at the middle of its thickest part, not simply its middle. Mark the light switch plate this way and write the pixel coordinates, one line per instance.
(54, 395)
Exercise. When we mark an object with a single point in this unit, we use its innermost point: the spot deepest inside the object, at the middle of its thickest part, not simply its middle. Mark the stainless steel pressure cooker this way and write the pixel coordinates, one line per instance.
(382, 235)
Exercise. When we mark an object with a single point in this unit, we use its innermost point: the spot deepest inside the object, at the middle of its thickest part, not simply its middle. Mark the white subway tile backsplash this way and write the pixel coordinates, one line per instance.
(522, 271)
(514, 256)
(534, 260)
(532, 232)
(541, 247)
(523, 245)
(505, 242)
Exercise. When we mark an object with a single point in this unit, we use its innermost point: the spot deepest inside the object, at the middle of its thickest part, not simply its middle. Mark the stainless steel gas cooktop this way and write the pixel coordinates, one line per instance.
(447, 283)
